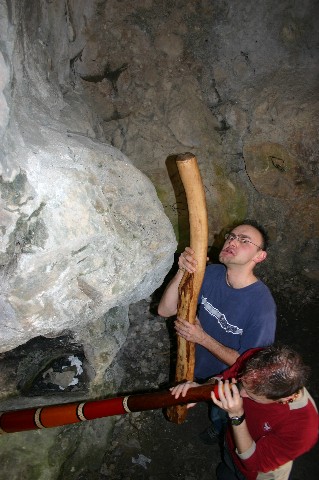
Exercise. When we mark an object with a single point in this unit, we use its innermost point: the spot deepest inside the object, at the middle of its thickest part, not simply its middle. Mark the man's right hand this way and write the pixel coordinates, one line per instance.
(187, 261)
(167, 306)
(182, 389)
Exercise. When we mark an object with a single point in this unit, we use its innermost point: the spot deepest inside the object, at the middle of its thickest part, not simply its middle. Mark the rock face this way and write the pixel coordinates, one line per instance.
(84, 233)
(236, 84)
(244, 100)
(83, 229)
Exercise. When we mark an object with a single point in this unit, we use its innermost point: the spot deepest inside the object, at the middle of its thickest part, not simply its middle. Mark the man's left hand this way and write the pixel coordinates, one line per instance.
(192, 333)
(229, 398)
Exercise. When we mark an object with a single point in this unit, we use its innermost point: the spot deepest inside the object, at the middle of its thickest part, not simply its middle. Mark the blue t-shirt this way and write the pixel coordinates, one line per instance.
(240, 318)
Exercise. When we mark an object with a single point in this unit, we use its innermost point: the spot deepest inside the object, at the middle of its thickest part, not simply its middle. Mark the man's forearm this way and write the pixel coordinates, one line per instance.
(168, 303)
(224, 354)
(242, 437)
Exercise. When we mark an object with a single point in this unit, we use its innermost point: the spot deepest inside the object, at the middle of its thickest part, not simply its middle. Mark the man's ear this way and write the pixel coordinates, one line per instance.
(260, 257)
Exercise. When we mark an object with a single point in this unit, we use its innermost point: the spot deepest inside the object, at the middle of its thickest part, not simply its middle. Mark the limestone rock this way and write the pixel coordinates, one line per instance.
(84, 232)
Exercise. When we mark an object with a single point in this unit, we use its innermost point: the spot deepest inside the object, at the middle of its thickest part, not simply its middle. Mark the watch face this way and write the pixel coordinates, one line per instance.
(237, 420)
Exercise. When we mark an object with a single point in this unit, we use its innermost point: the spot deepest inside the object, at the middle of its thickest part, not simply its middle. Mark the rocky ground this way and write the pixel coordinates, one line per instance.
(147, 446)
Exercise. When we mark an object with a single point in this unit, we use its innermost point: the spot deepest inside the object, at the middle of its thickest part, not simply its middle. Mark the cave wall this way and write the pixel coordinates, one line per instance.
(84, 236)
(96, 98)
(158, 78)
(83, 229)
(236, 83)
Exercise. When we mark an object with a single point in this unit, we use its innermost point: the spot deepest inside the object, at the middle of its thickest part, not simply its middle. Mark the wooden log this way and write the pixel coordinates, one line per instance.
(191, 283)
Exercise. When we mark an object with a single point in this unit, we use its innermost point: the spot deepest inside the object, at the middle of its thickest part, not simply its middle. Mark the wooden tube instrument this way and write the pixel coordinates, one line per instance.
(191, 283)
(68, 413)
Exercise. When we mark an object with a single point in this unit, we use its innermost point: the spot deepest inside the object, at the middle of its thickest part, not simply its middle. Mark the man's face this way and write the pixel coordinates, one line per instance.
(237, 253)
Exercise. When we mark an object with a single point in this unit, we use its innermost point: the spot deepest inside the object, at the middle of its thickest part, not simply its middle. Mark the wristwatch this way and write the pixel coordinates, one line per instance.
(237, 420)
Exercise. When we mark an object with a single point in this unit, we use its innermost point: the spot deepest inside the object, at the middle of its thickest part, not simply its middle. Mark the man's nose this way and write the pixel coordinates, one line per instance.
(234, 239)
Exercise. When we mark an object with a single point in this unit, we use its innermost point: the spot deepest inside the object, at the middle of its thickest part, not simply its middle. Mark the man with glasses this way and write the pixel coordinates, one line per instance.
(236, 310)
(272, 419)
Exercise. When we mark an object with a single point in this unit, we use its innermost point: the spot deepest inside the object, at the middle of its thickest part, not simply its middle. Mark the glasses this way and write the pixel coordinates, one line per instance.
(241, 239)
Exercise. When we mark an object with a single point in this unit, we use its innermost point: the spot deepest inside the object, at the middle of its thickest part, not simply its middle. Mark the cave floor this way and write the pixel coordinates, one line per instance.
(145, 445)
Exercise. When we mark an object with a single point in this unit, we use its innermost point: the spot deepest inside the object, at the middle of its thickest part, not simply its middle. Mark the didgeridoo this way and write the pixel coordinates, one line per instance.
(191, 283)
(64, 414)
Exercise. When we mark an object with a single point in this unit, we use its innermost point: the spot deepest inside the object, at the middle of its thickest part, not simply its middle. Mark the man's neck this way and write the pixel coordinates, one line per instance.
(237, 279)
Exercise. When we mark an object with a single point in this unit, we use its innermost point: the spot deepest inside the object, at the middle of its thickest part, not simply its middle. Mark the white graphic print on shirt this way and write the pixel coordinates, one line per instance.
(222, 320)
(266, 427)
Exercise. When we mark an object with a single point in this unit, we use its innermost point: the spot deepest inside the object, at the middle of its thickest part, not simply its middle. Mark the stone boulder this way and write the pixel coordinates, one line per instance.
(83, 232)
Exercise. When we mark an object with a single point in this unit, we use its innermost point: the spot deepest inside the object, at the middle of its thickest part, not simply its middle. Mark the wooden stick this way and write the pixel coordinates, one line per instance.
(191, 283)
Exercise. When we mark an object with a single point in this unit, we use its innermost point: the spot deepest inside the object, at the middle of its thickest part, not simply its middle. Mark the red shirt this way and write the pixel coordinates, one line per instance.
(281, 432)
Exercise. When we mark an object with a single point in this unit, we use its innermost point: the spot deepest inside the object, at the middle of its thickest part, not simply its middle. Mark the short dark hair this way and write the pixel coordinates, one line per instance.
(275, 372)
(260, 228)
